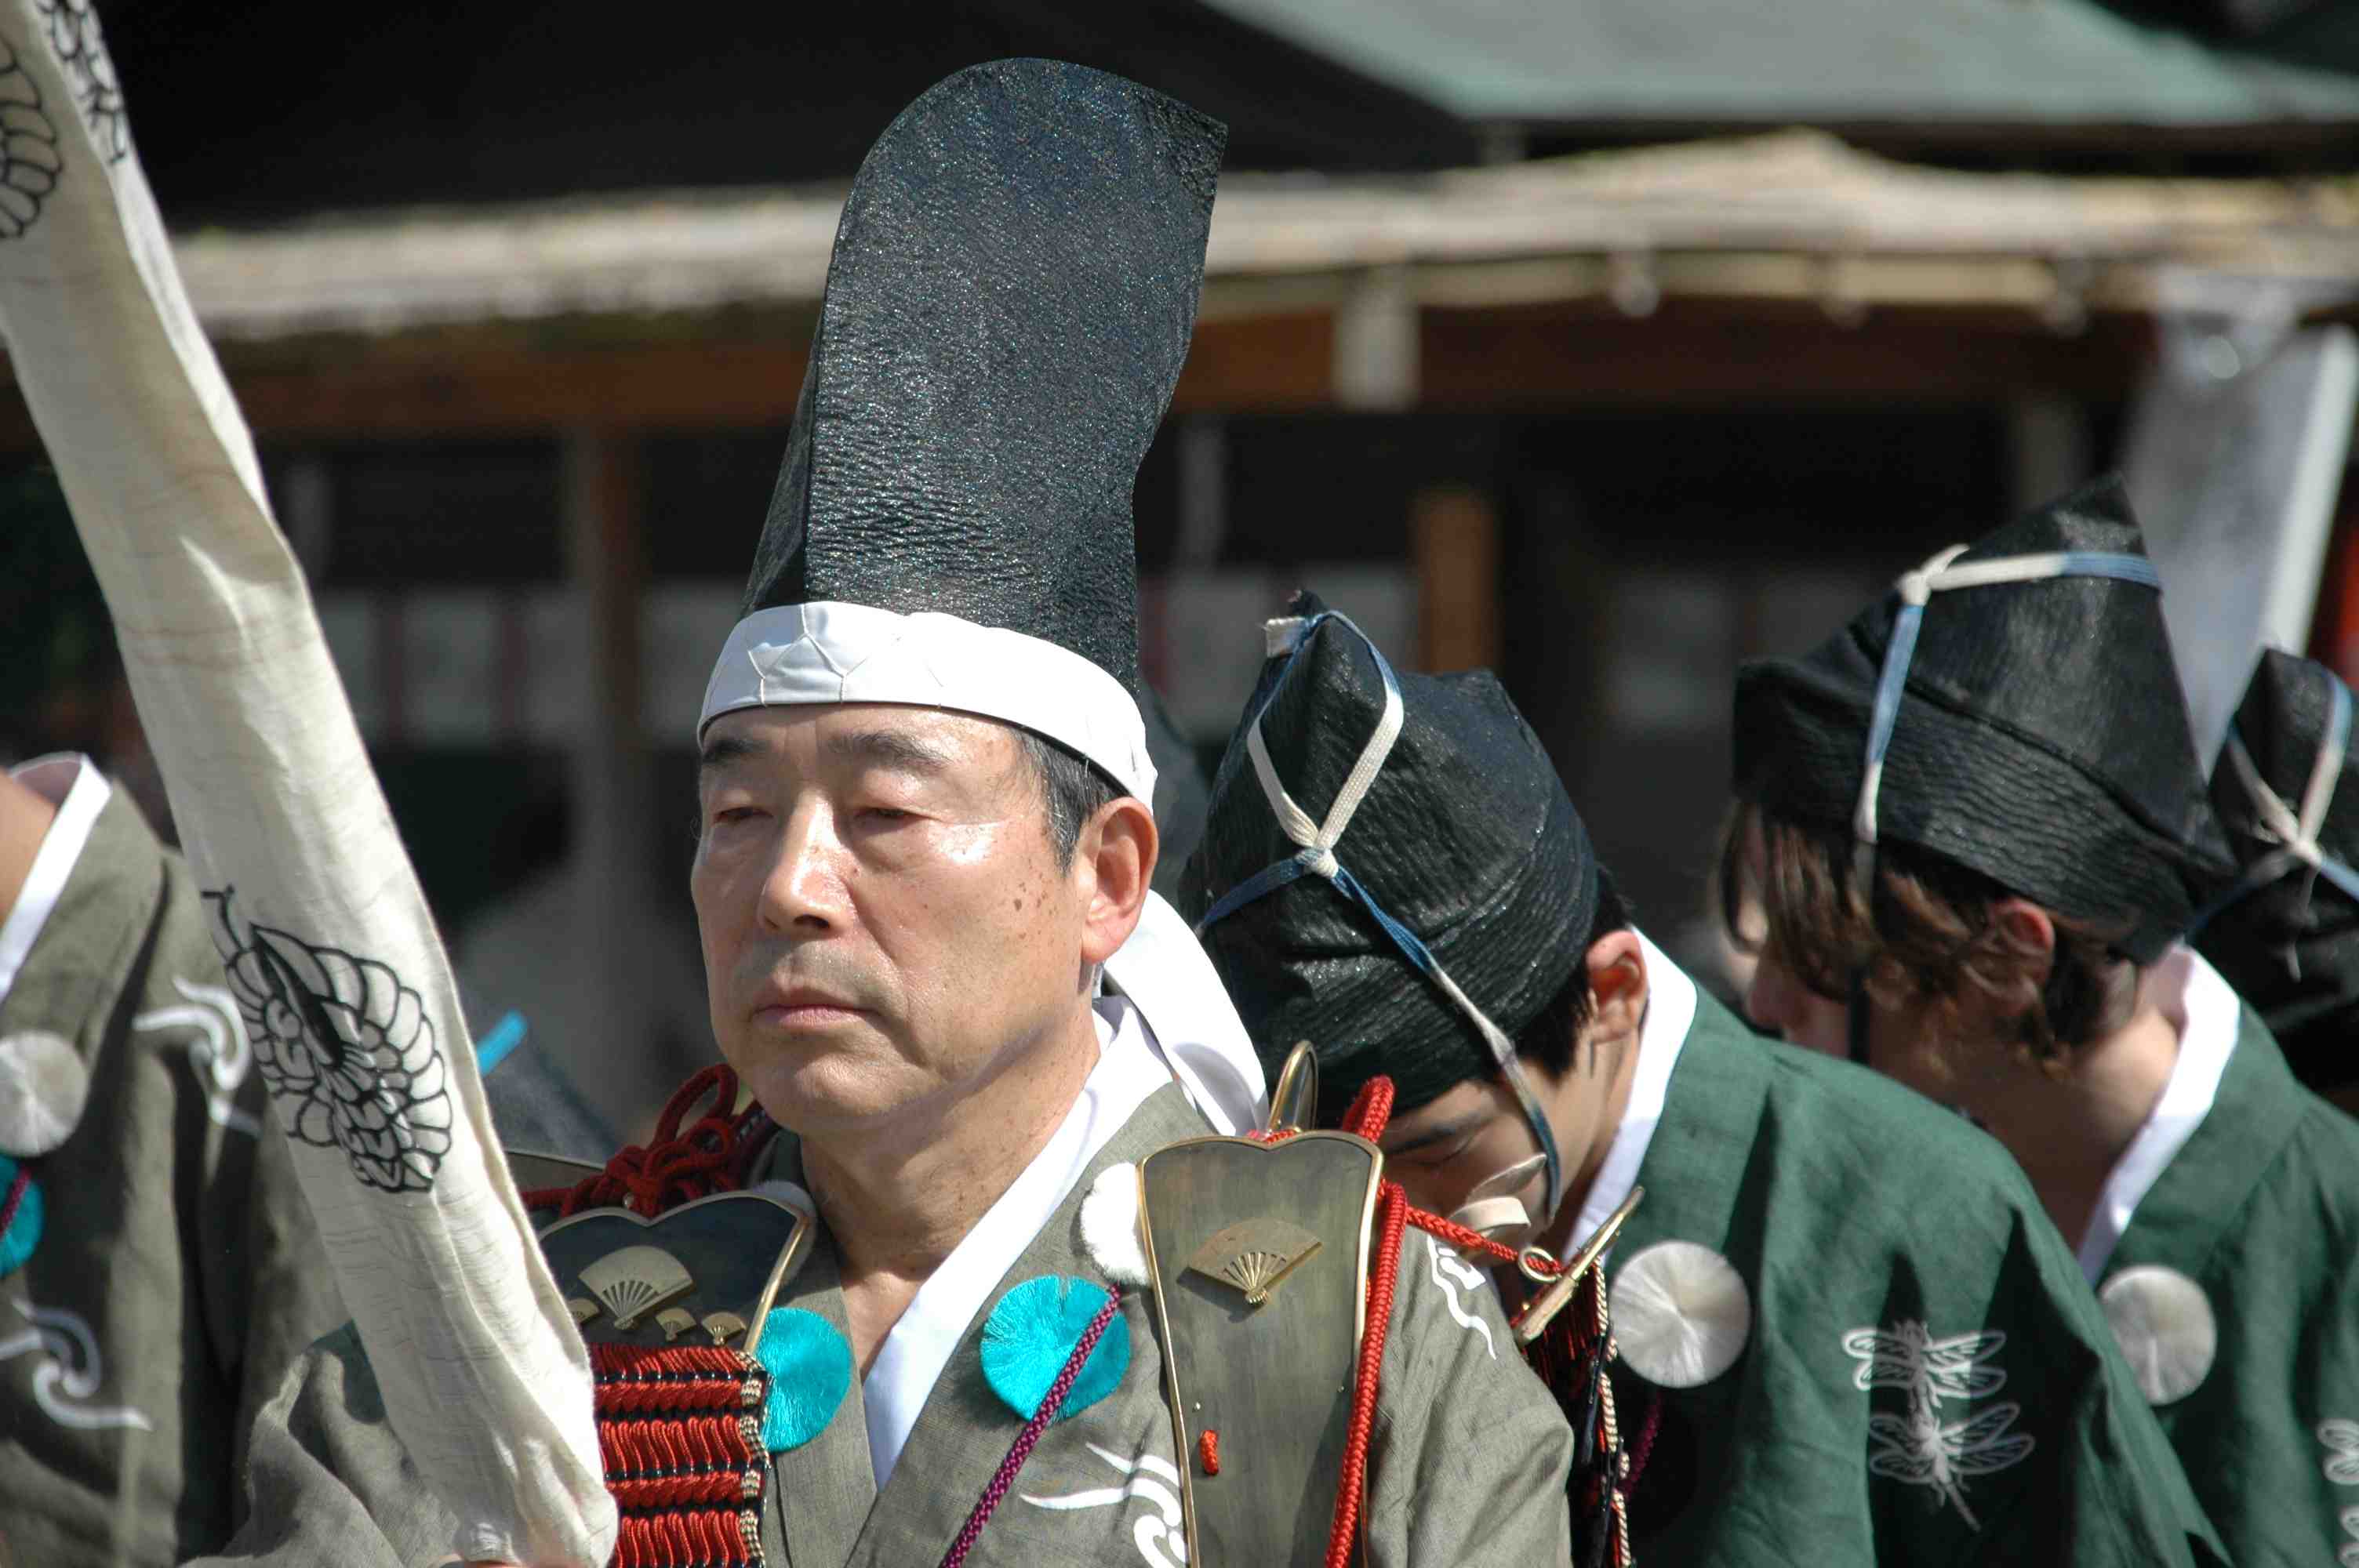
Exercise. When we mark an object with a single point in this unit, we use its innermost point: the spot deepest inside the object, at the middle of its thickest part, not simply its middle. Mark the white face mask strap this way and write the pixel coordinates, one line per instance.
(1917, 589)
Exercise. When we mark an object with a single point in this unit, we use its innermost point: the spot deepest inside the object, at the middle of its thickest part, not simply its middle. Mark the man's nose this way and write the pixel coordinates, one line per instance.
(804, 889)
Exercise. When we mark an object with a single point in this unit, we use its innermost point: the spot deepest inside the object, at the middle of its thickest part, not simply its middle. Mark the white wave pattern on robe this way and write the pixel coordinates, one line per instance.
(330, 951)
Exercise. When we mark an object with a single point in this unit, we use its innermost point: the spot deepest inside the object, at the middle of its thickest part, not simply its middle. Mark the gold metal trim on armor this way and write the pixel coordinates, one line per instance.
(1179, 1436)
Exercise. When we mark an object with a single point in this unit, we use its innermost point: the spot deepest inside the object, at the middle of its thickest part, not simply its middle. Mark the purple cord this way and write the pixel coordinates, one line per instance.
(1054, 1402)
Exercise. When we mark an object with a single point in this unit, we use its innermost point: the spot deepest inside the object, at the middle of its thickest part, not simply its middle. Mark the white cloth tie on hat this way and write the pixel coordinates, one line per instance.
(1917, 589)
(1284, 637)
(2295, 834)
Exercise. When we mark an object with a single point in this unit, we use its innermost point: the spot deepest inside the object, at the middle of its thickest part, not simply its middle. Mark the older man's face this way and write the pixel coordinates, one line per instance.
(885, 922)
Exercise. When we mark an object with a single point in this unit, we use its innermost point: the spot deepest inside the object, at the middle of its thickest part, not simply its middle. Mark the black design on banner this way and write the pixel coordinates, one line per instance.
(73, 33)
(29, 163)
(346, 1048)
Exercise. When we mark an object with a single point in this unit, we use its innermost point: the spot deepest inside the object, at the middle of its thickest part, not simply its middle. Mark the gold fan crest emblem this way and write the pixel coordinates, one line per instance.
(1254, 1255)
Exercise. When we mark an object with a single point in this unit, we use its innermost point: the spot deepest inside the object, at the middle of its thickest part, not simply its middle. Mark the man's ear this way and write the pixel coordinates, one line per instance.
(2029, 933)
(1617, 985)
(1115, 855)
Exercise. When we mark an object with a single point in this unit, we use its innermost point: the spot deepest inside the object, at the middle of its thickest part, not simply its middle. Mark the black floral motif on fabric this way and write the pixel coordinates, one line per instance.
(346, 1048)
(29, 163)
(73, 33)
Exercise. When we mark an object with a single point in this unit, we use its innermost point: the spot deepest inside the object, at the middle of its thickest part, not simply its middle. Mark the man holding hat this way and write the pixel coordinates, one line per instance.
(1846, 1331)
(1976, 830)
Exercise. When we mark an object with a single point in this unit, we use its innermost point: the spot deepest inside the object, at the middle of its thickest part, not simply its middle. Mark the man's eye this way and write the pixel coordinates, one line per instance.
(1435, 1157)
(735, 814)
(885, 815)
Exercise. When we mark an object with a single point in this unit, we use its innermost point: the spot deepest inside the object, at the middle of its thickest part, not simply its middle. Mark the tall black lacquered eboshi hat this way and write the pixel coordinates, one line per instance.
(1014, 288)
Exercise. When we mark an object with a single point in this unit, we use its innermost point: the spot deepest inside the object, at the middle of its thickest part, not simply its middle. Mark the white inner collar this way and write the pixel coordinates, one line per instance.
(2204, 1009)
(73, 784)
(1130, 1068)
(1670, 1013)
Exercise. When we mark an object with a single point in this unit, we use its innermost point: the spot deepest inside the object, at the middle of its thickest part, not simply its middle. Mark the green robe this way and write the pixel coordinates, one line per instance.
(1926, 1378)
(177, 1278)
(2260, 1207)
(1467, 1465)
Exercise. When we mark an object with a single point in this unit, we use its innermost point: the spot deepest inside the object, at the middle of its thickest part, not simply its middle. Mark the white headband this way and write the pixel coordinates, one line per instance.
(795, 654)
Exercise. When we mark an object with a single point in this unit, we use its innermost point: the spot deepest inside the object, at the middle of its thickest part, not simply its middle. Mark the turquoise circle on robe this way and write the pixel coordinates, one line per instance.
(23, 1232)
(811, 1371)
(1033, 1332)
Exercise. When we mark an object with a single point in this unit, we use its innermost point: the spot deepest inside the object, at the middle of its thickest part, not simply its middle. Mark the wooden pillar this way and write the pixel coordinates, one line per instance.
(1454, 543)
(611, 786)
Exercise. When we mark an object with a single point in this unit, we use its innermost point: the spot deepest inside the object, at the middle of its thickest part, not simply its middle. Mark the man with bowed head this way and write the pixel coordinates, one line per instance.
(1846, 1331)
(1978, 837)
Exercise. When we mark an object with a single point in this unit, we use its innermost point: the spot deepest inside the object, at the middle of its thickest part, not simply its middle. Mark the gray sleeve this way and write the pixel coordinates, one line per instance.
(327, 1483)
(1470, 1455)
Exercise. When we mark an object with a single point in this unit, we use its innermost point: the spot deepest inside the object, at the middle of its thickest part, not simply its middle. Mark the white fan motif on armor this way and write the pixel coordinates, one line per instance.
(2349, 1555)
(1161, 1537)
(1920, 1448)
(73, 1368)
(222, 1058)
(1449, 1271)
(2341, 1439)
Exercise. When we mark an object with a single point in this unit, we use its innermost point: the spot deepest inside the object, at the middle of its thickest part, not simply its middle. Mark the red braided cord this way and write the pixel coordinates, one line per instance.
(1207, 1450)
(1644, 1446)
(1372, 1109)
(617, 1360)
(645, 1492)
(678, 1165)
(672, 1446)
(1005, 1478)
(16, 1198)
(1351, 1489)
(663, 1540)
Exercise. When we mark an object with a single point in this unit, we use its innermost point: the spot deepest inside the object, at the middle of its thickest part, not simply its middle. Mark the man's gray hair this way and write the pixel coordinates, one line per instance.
(1071, 792)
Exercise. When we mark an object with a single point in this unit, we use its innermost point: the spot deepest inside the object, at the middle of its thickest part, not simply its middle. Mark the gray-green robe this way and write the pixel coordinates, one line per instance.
(2260, 1209)
(1467, 1465)
(1925, 1377)
(178, 1277)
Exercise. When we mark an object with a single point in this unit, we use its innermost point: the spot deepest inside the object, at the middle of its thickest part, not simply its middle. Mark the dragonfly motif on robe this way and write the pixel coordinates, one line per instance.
(1918, 1448)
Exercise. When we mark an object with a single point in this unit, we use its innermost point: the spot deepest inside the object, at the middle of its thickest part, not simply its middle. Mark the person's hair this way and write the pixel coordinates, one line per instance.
(1071, 792)
(1547, 1040)
(1929, 936)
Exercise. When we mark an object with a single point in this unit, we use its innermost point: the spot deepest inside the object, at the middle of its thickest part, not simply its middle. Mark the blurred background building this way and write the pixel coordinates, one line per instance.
(1606, 341)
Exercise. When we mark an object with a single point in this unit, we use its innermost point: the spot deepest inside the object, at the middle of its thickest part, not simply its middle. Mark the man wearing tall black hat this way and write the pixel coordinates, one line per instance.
(1847, 1334)
(1976, 829)
(993, 1332)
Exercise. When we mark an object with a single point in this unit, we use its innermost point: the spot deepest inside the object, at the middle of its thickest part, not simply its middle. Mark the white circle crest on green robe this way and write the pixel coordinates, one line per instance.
(2163, 1322)
(43, 1088)
(1681, 1314)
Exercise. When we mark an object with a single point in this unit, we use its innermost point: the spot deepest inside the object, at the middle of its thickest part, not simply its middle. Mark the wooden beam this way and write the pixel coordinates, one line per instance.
(466, 385)
(1529, 355)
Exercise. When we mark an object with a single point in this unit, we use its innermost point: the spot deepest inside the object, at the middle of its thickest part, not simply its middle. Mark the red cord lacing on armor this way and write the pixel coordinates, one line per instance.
(1370, 1111)
(680, 1164)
